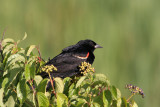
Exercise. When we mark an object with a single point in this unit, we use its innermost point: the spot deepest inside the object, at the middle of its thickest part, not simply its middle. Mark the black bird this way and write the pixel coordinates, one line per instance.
(71, 57)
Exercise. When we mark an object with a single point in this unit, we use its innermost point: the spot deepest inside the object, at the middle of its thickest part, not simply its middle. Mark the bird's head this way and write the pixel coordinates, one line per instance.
(89, 44)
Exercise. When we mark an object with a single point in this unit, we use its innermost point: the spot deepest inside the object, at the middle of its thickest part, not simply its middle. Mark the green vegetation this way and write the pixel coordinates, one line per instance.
(20, 86)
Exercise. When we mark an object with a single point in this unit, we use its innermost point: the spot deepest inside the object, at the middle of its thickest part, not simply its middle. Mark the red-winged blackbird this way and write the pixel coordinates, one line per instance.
(70, 58)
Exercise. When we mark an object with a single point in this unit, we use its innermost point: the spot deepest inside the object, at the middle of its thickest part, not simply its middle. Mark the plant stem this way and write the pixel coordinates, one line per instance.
(130, 97)
(39, 52)
(52, 85)
(32, 87)
(14, 90)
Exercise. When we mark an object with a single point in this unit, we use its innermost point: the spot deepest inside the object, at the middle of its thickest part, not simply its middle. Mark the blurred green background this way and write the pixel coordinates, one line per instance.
(129, 31)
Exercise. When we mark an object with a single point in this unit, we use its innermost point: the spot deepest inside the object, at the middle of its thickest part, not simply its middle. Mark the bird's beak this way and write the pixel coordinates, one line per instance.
(98, 46)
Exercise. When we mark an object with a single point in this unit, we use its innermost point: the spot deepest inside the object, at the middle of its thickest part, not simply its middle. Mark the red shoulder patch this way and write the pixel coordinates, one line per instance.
(87, 55)
(82, 57)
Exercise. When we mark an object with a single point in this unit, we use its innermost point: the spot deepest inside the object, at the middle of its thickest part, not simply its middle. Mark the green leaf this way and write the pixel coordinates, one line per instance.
(42, 85)
(27, 72)
(10, 102)
(66, 82)
(101, 79)
(14, 58)
(62, 100)
(98, 99)
(48, 95)
(105, 101)
(30, 96)
(118, 93)
(11, 76)
(28, 103)
(114, 92)
(5, 84)
(14, 73)
(108, 96)
(134, 104)
(21, 91)
(114, 103)
(25, 36)
(119, 102)
(42, 100)
(1, 98)
(33, 70)
(29, 50)
(30, 71)
(80, 102)
(7, 49)
(5, 81)
(6, 41)
(73, 100)
(38, 79)
(59, 85)
(35, 99)
(80, 81)
(96, 104)
(72, 90)
(5, 58)
(28, 89)
(124, 102)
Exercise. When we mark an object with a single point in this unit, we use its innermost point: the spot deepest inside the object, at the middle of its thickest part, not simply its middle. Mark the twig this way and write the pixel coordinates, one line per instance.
(30, 82)
(89, 105)
(14, 90)
(130, 97)
(52, 85)
(39, 52)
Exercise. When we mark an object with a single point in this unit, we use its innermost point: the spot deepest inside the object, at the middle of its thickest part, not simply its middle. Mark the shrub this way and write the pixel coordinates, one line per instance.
(21, 86)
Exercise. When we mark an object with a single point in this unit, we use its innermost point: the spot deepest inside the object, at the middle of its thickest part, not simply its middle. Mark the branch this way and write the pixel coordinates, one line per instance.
(52, 85)
(31, 84)
(39, 52)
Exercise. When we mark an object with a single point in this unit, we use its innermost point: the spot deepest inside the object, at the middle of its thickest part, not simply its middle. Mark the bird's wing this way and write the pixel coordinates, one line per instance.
(63, 58)
(66, 62)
